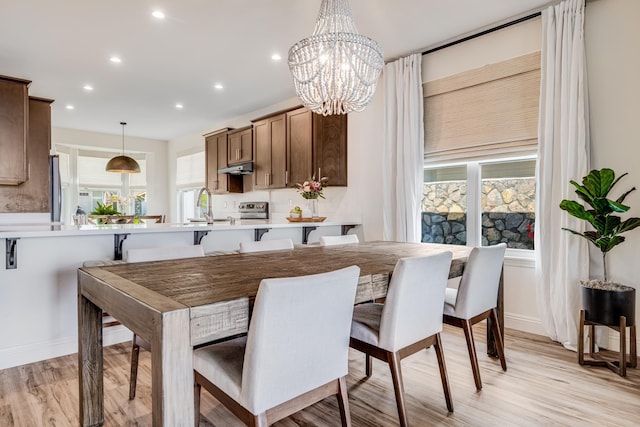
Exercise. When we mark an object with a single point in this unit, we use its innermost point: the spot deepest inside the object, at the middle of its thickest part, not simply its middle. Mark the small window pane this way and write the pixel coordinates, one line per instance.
(444, 206)
(508, 203)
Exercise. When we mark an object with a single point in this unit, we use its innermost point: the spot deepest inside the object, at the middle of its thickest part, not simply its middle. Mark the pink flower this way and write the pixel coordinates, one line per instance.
(312, 189)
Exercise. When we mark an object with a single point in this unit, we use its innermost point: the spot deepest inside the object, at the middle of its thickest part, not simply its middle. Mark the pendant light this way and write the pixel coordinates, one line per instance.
(123, 164)
(335, 70)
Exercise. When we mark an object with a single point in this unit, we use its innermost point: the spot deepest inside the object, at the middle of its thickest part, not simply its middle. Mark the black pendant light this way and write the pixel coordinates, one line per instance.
(123, 164)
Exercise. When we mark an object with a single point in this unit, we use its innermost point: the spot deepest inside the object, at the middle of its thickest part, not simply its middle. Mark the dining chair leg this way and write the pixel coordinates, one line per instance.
(197, 389)
(398, 386)
(133, 376)
(343, 403)
(499, 339)
(443, 372)
(367, 365)
(471, 346)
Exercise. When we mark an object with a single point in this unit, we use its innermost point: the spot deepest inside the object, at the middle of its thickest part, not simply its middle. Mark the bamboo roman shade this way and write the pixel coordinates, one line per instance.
(483, 112)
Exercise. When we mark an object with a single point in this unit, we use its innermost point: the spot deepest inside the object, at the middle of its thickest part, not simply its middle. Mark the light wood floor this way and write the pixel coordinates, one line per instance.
(544, 386)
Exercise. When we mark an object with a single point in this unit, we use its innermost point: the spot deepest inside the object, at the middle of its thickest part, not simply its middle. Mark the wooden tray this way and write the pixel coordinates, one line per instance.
(316, 219)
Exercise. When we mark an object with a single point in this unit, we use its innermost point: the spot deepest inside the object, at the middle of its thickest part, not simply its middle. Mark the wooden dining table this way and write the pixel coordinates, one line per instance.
(176, 305)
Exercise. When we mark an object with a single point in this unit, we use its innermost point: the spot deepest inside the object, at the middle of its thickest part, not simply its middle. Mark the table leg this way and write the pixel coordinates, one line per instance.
(172, 371)
(491, 340)
(90, 368)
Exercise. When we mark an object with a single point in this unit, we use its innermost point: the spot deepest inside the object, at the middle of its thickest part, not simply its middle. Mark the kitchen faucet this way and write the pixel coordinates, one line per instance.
(209, 214)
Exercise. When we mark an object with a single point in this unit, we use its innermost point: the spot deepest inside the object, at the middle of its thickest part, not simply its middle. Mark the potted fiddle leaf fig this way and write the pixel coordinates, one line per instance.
(603, 301)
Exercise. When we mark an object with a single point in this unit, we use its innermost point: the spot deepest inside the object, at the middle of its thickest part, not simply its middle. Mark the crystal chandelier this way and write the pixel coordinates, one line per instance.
(335, 70)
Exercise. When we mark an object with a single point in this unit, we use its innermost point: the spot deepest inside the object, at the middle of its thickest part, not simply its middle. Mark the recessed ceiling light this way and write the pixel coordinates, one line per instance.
(179, 106)
(115, 59)
(218, 86)
(69, 107)
(88, 88)
(276, 57)
(158, 14)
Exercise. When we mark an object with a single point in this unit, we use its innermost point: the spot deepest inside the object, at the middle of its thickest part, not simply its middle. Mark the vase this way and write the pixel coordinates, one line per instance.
(313, 206)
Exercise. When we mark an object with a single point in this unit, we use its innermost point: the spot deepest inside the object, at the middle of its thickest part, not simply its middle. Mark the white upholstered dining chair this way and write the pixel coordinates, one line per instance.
(265, 245)
(475, 300)
(154, 254)
(294, 355)
(339, 240)
(410, 320)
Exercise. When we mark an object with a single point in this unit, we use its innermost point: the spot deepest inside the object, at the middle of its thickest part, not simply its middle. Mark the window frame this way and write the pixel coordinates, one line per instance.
(474, 196)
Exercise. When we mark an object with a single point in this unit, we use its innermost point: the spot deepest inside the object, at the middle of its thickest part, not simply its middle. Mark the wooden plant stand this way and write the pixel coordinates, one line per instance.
(617, 366)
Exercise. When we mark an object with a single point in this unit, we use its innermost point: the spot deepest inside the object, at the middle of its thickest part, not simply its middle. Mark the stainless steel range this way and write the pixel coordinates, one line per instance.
(254, 210)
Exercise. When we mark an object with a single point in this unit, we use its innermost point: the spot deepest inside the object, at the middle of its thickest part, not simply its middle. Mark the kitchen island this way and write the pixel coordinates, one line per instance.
(38, 279)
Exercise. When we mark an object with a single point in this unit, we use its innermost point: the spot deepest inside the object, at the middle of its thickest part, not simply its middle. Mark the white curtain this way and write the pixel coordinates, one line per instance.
(562, 259)
(403, 162)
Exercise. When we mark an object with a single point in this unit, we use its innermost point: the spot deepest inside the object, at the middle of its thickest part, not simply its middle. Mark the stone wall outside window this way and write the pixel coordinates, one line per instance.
(508, 215)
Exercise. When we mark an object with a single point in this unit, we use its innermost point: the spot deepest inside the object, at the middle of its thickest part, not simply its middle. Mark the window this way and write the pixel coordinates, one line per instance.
(85, 182)
(444, 205)
(190, 178)
(480, 203)
(508, 203)
(481, 101)
(125, 191)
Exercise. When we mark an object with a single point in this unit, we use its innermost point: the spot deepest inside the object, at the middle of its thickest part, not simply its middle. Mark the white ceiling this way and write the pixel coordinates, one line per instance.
(64, 44)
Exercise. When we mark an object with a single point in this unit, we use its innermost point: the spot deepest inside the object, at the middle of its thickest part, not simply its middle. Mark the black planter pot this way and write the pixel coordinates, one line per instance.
(604, 306)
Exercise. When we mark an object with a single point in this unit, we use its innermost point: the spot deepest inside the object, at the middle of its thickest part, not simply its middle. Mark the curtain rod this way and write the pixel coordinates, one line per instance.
(533, 13)
(480, 33)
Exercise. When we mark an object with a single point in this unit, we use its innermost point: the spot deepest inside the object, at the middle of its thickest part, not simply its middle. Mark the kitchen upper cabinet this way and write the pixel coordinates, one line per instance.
(317, 147)
(216, 155)
(14, 130)
(293, 146)
(240, 146)
(270, 152)
(299, 146)
(330, 148)
(33, 195)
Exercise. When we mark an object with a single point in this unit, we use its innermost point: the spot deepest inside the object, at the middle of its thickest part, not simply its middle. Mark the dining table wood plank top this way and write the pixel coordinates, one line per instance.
(178, 304)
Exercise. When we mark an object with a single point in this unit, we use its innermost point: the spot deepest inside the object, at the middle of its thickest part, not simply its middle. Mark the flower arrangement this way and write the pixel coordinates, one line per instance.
(312, 189)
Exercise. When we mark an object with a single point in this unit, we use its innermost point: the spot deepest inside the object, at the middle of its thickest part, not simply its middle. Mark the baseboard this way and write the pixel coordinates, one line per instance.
(36, 352)
(614, 341)
(532, 325)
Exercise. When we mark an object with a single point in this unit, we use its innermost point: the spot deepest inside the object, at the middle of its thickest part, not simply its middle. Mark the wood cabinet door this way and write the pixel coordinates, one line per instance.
(330, 148)
(269, 152)
(299, 146)
(14, 130)
(223, 181)
(33, 194)
(211, 155)
(240, 146)
(278, 134)
(261, 154)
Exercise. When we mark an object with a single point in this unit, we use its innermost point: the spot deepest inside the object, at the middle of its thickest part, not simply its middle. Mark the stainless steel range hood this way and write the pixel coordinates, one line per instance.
(239, 169)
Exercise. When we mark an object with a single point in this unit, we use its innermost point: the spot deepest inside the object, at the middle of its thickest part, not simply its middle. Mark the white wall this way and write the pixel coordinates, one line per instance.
(155, 150)
(613, 63)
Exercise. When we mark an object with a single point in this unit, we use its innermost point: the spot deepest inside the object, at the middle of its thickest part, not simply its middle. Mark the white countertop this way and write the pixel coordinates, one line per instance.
(48, 230)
